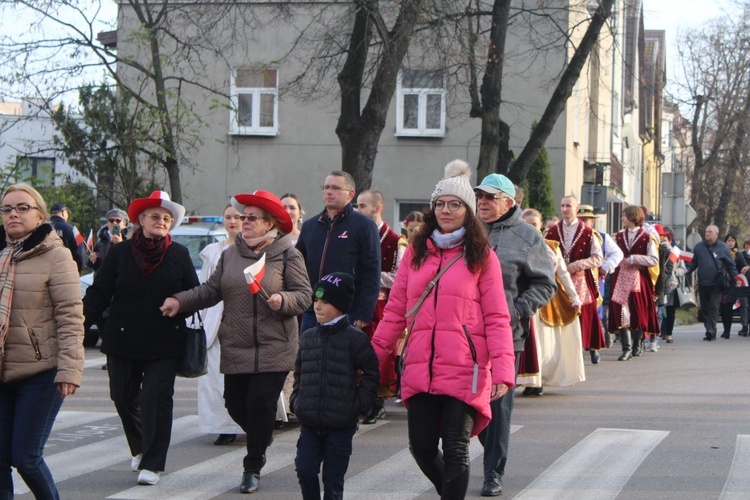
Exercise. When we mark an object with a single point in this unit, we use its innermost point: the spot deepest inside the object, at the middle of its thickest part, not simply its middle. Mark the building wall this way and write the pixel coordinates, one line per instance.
(306, 147)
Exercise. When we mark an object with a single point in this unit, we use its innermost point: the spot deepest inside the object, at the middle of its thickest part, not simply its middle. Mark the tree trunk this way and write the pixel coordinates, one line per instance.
(560, 96)
(494, 138)
(730, 179)
(359, 133)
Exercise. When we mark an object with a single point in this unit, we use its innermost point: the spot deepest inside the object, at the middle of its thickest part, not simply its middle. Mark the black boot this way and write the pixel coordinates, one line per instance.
(250, 482)
(378, 411)
(225, 439)
(433, 469)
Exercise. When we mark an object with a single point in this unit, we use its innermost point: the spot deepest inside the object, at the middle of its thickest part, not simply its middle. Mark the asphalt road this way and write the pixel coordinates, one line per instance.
(668, 425)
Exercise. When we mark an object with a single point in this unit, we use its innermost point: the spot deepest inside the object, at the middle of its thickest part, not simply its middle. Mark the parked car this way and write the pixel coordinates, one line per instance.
(195, 233)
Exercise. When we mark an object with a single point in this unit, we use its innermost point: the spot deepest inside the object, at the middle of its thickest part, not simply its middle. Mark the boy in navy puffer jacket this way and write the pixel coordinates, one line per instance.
(335, 380)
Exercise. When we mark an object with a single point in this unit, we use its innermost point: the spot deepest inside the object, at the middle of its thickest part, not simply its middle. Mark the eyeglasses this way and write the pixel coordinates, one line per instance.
(336, 189)
(156, 218)
(116, 221)
(481, 195)
(21, 208)
(452, 205)
(251, 218)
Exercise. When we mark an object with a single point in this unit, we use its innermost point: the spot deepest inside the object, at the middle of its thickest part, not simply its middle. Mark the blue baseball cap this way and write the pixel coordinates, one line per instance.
(496, 183)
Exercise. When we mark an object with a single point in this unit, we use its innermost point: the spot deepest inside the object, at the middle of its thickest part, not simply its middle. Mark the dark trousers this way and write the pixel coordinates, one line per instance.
(496, 436)
(332, 449)
(27, 411)
(667, 323)
(142, 391)
(250, 399)
(727, 312)
(429, 417)
(710, 301)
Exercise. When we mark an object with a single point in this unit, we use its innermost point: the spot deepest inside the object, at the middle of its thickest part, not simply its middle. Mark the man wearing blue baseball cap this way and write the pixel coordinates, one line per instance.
(529, 282)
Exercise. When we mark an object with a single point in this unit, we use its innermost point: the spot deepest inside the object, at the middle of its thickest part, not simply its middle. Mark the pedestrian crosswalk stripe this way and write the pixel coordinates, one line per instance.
(68, 419)
(737, 485)
(223, 473)
(102, 454)
(411, 482)
(92, 361)
(597, 468)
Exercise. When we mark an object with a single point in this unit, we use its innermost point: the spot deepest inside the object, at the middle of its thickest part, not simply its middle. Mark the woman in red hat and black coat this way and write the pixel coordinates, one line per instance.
(259, 332)
(142, 346)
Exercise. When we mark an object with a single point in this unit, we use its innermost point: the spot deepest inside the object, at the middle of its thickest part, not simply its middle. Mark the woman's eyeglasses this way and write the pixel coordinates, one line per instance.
(116, 221)
(21, 208)
(452, 205)
(156, 218)
(250, 218)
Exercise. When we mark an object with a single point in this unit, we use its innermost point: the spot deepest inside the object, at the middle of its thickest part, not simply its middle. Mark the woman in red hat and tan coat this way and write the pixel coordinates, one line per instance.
(259, 332)
(143, 347)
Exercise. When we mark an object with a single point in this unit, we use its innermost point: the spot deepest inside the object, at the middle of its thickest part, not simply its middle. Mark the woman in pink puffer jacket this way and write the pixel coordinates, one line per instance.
(459, 353)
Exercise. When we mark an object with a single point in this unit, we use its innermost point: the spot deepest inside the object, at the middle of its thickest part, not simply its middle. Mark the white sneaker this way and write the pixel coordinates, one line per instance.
(135, 462)
(148, 477)
(654, 347)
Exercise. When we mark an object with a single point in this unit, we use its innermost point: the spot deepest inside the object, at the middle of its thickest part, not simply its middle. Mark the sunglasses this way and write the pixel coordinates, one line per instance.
(250, 218)
(115, 221)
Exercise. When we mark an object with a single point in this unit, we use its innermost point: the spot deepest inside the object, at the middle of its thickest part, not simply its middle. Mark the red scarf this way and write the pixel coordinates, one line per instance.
(149, 253)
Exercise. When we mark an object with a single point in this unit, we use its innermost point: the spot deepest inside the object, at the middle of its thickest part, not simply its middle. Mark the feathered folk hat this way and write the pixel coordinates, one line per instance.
(457, 182)
(157, 199)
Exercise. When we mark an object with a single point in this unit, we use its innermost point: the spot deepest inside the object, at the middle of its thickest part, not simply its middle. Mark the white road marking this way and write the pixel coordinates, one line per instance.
(213, 477)
(103, 454)
(411, 482)
(597, 468)
(737, 485)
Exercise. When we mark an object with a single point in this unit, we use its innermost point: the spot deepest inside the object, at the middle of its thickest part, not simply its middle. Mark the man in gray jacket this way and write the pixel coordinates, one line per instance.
(709, 256)
(529, 282)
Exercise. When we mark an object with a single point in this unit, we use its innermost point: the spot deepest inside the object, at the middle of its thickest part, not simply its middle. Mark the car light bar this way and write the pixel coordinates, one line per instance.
(202, 218)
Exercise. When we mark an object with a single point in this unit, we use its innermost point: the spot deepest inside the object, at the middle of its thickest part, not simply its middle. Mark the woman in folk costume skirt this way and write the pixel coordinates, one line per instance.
(632, 305)
(557, 329)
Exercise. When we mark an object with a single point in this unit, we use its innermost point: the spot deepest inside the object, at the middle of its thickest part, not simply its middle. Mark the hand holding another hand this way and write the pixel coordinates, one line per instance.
(170, 307)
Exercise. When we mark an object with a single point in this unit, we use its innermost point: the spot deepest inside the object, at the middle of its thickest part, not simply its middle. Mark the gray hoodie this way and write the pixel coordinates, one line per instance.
(528, 277)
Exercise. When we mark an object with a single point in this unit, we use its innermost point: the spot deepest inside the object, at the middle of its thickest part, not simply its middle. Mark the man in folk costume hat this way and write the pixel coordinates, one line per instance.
(582, 251)
(371, 203)
(529, 282)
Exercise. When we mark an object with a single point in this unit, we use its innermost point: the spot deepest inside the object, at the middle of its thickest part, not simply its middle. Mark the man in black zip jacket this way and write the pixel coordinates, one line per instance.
(341, 239)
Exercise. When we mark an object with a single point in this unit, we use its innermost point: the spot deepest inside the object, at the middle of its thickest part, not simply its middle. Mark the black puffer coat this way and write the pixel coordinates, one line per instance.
(327, 395)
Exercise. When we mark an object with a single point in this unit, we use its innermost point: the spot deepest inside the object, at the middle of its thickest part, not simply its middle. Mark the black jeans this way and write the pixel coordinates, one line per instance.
(429, 417)
(710, 301)
(332, 449)
(142, 391)
(250, 399)
(667, 323)
(496, 436)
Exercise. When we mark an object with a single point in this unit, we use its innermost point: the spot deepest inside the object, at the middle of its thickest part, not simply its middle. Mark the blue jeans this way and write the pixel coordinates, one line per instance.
(496, 436)
(27, 411)
(332, 449)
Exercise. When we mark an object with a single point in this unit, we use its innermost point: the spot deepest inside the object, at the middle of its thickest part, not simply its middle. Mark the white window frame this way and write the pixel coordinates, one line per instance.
(421, 93)
(256, 92)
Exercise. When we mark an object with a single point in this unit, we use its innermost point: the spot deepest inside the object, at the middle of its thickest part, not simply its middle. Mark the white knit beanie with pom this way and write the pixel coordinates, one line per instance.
(457, 182)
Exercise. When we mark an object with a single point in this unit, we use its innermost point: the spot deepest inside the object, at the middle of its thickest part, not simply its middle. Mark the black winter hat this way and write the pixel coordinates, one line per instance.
(337, 289)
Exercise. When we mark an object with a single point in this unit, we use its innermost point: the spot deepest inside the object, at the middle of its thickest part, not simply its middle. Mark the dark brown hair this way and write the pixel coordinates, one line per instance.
(476, 244)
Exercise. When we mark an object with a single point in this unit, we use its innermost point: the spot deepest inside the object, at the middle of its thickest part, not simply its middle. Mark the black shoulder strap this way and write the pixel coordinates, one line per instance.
(283, 269)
